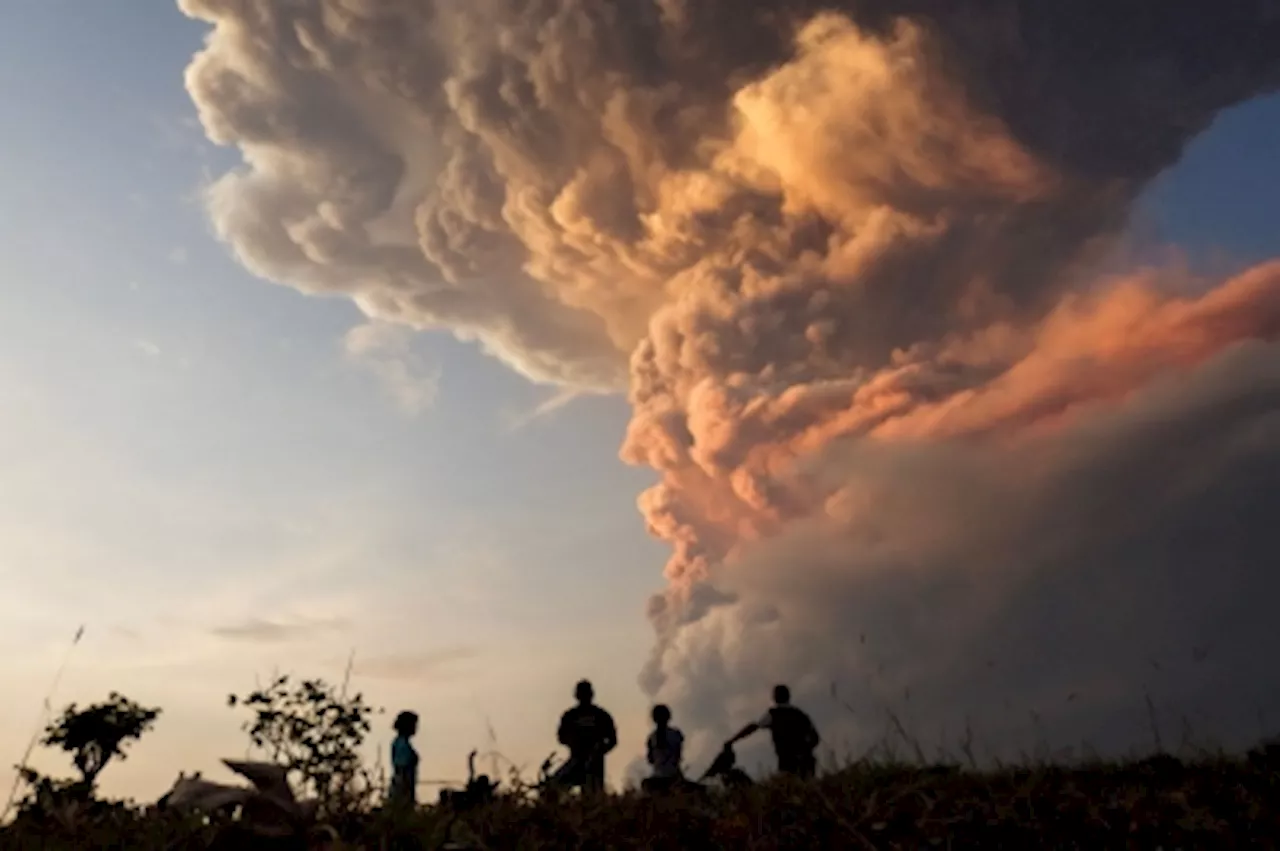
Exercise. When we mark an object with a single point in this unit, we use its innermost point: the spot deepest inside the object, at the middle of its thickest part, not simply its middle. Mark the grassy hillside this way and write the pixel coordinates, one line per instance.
(1161, 802)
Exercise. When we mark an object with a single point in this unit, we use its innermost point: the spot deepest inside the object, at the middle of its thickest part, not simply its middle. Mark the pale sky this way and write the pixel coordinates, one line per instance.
(187, 450)
(221, 477)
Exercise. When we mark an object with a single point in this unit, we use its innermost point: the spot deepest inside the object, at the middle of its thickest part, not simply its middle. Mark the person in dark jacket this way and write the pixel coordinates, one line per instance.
(794, 736)
(589, 733)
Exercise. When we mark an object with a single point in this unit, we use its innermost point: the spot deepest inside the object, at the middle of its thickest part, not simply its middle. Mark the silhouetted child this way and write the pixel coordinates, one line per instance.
(664, 751)
(404, 761)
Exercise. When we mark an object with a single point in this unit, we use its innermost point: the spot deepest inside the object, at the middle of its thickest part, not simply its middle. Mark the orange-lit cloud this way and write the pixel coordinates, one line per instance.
(796, 234)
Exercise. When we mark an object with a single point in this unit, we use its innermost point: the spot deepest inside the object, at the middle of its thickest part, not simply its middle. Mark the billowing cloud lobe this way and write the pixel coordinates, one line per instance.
(841, 257)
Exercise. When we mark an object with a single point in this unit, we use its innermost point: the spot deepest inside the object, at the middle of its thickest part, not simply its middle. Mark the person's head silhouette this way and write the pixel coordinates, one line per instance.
(781, 695)
(406, 723)
(583, 692)
(661, 715)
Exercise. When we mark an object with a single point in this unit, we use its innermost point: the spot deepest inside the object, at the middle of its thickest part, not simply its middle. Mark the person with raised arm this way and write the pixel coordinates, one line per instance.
(795, 738)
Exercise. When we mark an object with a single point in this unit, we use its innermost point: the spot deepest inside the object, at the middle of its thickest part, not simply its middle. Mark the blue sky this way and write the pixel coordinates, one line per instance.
(188, 451)
(177, 431)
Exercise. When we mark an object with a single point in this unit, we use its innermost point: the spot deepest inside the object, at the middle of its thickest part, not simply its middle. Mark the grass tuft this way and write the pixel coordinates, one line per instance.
(1161, 801)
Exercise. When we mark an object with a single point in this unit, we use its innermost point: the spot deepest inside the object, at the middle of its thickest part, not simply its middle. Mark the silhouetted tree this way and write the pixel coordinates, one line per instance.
(99, 733)
(315, 732)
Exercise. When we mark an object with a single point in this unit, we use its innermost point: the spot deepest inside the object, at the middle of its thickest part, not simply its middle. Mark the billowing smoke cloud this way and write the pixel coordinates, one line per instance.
(839, 255)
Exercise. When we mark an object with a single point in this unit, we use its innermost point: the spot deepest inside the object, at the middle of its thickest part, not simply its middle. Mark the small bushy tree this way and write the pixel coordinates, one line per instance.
(99, 733)
(94, 736)
(316, 733)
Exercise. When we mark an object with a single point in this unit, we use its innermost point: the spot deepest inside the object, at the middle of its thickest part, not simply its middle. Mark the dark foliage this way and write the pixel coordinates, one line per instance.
(315, 732)
(97, 734)
(1210, 802)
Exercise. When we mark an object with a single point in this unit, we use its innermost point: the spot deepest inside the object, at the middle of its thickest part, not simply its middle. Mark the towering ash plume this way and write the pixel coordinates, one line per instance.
(839, 255)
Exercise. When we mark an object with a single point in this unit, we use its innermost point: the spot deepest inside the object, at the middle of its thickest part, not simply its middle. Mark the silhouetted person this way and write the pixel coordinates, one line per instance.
(794, 736)
(664, 751)
(589, 733)
(404, 761)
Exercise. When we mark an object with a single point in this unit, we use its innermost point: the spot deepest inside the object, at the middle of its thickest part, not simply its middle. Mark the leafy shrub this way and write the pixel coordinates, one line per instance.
(315, 732)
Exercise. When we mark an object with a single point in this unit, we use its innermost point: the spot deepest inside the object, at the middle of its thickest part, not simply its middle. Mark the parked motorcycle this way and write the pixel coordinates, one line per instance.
(268, 808)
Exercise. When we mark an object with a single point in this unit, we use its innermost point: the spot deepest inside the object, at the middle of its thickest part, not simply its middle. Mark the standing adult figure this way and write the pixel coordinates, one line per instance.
(588, 731)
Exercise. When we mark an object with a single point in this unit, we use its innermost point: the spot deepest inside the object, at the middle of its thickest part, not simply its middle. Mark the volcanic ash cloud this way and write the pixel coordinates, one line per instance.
(840, 260)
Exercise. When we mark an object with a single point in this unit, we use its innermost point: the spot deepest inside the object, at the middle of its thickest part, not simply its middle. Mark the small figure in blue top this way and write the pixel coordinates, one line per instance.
(404, 761)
